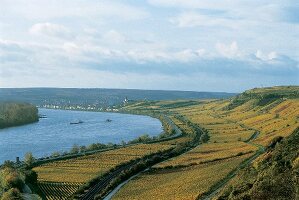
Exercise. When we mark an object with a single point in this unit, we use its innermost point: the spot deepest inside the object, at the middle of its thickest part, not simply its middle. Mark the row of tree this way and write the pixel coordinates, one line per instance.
(15, 114)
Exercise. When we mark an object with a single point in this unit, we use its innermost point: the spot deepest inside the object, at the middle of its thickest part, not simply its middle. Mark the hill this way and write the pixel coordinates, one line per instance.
(98, 97)
(264, 96)
(239, 135)
(273, 176)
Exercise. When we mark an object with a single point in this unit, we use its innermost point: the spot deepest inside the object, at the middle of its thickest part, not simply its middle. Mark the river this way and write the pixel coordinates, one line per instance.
(55, 133)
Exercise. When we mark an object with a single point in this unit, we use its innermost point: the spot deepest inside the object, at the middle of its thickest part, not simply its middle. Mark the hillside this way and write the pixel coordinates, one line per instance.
(264, 96)
(275, 175)
(14, 114)
(238, 135)
(98, 97)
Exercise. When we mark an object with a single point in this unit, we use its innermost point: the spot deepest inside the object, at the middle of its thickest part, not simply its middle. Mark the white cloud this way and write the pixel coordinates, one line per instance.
(54, 9)
(71, 48)
(113, 36)
(211, 4)
(228, 50)
(188, 55)
(194, 19)
(128, 36)
(50, 29)
(245, 10)
(266, 57)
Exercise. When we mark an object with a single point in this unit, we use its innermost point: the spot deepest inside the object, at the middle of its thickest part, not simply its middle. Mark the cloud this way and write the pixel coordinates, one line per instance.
(12, 52)
(248, 10)
(71, 48)
(50, 30)
(229, 51)
(56, 9)
(270, 56)
(189, 20)
(162, 38)
(113, 36)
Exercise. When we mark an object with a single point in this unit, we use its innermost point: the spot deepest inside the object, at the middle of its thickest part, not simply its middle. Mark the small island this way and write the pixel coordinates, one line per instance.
(16, 114)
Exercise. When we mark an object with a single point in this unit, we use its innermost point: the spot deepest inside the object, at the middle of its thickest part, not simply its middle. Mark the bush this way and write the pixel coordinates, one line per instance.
(204, 138)
(274, 141)
(75, 149)
(12, 194)
(11, 178)
(30, 177)
(29, 159)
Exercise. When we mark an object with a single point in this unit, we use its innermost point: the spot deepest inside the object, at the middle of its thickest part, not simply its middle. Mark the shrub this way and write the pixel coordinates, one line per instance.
(11, 178)
(75, 149)
(29, 159)
(204, 138)
(30, 177)
(12, 194)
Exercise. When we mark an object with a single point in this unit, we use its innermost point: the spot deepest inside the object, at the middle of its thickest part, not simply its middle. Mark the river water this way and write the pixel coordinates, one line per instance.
(55, 133)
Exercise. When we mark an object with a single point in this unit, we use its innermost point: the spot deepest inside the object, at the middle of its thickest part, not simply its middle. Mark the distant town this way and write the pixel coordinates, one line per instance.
(89, 107)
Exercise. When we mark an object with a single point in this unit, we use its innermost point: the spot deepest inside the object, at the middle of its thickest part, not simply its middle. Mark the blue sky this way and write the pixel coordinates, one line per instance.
(206, 45)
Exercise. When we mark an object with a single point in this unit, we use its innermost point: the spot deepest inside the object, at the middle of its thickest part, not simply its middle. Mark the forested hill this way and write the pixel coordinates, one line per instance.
(100, 97)
(14, 114)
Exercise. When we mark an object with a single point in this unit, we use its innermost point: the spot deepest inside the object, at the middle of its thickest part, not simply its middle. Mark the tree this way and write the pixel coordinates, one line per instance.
(75, 149)
(29, 159)
(83, 149)
(204, 138)
(12, 193)
(30, 176)
(11, 178)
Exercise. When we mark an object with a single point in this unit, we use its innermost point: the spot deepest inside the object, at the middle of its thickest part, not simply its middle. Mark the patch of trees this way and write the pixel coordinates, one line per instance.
(274, 177)
(13, 180)
(15, 114)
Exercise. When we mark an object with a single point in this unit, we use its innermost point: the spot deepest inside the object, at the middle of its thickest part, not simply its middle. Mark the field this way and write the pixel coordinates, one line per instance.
(235, 135)
(182, 183)
(79, 170)
(210, 152)
(58, 190)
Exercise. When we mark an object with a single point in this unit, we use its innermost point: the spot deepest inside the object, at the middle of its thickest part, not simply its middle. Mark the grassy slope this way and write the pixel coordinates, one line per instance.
(194, 173)
(275, 175)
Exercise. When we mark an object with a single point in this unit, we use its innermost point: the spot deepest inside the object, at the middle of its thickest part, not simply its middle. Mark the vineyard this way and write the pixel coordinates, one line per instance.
(58, 190)
(181, 183)
(210, 152)
(55, 177)
(194, 173)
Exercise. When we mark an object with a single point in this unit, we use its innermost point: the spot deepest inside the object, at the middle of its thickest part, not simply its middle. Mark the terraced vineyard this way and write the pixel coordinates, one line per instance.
(236, 134)
(58, 190)
(56, 176)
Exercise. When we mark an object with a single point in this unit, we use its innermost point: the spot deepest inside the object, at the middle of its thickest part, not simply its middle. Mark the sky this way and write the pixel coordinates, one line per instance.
(199, 45)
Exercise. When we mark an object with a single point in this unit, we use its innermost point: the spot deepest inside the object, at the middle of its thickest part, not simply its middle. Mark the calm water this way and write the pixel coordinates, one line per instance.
(56, 134)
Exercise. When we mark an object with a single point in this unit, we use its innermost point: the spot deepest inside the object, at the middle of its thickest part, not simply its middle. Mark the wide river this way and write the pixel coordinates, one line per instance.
(55, 133)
